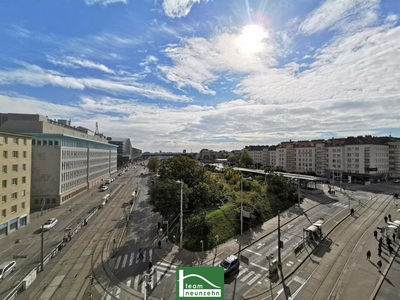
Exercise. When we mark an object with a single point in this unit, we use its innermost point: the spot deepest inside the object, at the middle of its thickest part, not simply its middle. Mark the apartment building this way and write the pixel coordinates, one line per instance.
(256, 153)
(305, 156)
(124, 149)
(66, 160)
(15, 189)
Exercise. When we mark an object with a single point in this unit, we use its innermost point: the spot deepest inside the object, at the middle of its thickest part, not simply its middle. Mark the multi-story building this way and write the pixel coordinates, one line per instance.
(305, 156)
(124, 149)
(15, 189)
(256, 153)
(65, 160)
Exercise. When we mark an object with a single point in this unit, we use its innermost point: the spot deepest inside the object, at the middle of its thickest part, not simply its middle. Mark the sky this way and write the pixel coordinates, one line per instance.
(205, 74)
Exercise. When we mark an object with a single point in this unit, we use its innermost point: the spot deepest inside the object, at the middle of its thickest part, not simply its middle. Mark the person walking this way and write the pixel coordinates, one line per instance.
(380, 241)
(140, 253)
(368, 255)
(379, 264)
(379, 251)
(352, 211)
(173, 239)
(390, 217)
(159, 244)
(388, 241)
(376, 234)
(390, 248)
(386, 218)
(150, 266)
(394, 237)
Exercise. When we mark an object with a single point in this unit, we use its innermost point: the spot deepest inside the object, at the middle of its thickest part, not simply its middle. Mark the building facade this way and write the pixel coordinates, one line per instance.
(124, 149)
(15, 189)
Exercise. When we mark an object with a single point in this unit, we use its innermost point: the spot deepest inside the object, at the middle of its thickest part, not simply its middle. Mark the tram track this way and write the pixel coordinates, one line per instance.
(334, 269)
(74, 268)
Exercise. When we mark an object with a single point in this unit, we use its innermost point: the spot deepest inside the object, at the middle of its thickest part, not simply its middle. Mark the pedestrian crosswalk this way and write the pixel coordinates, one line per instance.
(129, 259)
(339, 204)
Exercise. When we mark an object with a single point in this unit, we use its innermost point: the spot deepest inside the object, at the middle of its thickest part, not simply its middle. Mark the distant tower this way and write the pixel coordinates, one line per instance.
(97, 129)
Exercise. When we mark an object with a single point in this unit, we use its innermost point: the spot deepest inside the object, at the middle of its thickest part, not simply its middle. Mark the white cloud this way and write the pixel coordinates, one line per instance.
(199, 62)
(104, 2)
(35, 76)
(358, 13)
(178, 8)
(74, 62)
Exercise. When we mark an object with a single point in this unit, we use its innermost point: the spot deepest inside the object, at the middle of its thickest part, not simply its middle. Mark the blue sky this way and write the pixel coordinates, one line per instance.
(194, 74)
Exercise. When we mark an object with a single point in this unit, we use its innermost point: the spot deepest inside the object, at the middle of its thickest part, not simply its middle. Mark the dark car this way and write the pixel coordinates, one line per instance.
(230, 264)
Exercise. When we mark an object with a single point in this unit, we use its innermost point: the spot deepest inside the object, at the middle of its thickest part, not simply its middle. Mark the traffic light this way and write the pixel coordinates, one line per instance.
(91, 280)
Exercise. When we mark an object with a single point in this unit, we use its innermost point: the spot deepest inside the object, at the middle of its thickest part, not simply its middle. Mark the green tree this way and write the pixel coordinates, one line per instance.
(234, 159)
(246, 160)
(154, 163)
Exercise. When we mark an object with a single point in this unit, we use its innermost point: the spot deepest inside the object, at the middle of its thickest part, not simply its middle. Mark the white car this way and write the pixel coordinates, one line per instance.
(7, 268)
(396, 181)
(49, 224)
(104, 188)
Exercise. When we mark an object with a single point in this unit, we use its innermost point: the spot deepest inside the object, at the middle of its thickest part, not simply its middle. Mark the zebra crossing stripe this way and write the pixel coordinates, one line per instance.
(124, 261)
(131, 259)
(117, 262)
(247, 276)
(254, 279)
(136, 283)
(117, 292)
(241, 272)
(128, 282)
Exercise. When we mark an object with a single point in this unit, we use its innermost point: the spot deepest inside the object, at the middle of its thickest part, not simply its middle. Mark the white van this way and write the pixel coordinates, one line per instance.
(6, 268)
(104, 200)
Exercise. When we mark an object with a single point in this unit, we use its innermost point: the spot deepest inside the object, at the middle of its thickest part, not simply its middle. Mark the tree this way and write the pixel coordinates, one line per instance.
(182, 168)
(154, 163)
(234, 160)
(246, 160)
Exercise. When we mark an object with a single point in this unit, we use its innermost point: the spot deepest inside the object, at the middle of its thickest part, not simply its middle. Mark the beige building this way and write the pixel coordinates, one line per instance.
(15, 177)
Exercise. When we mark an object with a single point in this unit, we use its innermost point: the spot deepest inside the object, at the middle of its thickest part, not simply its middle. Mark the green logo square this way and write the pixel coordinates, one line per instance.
(199, 283)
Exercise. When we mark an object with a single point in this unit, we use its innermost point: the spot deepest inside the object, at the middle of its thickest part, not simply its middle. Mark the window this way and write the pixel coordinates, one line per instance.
(23, 179)
(23, 193)
(5, 154)
(50, 143)
(6, 140)
(4, 198)
(15, 141)
(23, 205)
(4, 183)
(33, 142)
(15, 154)
(45, 143)
(4, 213)
(4, 169)
(39, 142)
(24, 141)
(24, 167)
(24, 154)
(13, 209)
(15, 168)
(14, 181)
(14, 196)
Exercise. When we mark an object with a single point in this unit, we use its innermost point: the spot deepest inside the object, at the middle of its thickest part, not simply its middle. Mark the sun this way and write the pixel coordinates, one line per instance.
(251, 39)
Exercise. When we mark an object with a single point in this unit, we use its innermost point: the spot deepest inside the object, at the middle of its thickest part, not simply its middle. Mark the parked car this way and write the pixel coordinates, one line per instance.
(396, 181)
(49, 224)
(230, 264)
(104, 188)
(7, 268)
(108, 181)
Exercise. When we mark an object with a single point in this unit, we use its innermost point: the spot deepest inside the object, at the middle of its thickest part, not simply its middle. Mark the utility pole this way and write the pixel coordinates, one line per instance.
(279, 237)
(241, 205)
(181, 241)
(41, 249)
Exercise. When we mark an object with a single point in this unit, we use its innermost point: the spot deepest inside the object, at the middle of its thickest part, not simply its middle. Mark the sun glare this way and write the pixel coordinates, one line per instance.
(251, 39)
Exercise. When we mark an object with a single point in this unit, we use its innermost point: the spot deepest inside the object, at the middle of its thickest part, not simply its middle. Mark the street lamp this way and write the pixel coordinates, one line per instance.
(241, 202)
(202, 246)
(181, 216)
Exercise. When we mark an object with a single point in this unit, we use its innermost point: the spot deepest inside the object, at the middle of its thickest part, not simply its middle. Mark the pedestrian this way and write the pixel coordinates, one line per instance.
(394, 237)
(390, 217)
(158, 225)
(390, 248)
(379, 251)
(388, 241)
(386, 218)
(380, 241)
(352, 211)
(379, 263)
(159, 244)
(376, 234)
(150, 266)
(173, 239)
(368, 255)
(140, 253)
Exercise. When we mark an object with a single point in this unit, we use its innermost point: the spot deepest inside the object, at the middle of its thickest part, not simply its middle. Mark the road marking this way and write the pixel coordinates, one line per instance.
(124, 261)
(136, 283)
(254, 279)
(128, 282)
(117, 262)
(247, 276)
(131, 259)
(265, 269)
(117, 292)
(242, 271)
(299, 280)
(253, 252)
(14, 273)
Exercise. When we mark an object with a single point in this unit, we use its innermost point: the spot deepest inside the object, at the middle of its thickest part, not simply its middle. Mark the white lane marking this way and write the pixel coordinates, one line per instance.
(131, 259)
(241, 272)
(117, 292)
(253, 264)
(247, 276)
(299, 280)
(124, 261)
(254, 279)
(248, 250)
(136, 283)
(117, 263)
(128, 283)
